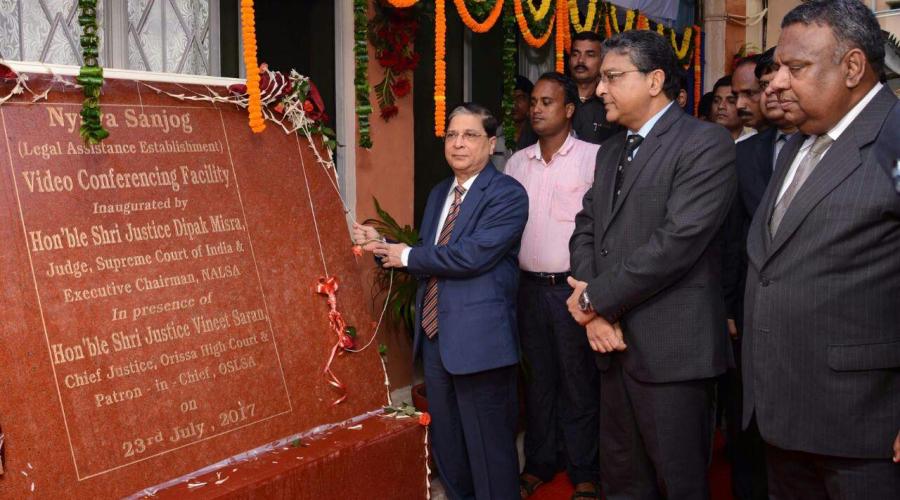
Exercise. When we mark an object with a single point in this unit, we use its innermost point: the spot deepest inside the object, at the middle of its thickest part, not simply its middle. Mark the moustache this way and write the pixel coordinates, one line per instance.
(581, 67)
(744, 113)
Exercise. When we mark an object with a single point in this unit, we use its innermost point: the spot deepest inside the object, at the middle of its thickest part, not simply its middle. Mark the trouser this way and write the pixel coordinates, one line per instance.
(473, 428)
(654, 438)
(796, 475)
(561, 385)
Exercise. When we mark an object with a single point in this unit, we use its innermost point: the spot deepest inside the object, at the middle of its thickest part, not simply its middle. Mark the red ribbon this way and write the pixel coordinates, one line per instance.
(328, 286)
(6, 73)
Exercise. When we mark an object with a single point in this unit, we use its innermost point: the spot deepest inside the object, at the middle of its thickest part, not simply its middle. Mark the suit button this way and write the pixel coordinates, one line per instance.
(604, 252)
(763, 281)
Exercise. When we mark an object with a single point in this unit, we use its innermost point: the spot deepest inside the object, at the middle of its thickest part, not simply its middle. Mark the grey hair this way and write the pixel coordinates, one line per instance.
(488, 121)
(852, 23)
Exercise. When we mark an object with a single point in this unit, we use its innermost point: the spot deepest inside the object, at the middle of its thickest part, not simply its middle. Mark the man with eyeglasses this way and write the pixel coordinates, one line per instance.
(821, 338)
(756, 159)
(647, 275)
(561, 381)
(467, 267)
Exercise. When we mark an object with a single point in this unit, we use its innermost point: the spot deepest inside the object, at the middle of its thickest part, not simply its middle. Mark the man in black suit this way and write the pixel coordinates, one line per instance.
(755, 161)
(821, 354)
(647, 275)
(747, 93)
(755, 164)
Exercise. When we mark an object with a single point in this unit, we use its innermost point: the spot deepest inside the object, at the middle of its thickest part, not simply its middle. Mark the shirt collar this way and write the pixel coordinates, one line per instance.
(845, 122)
(779, 134)
(647, 127)
(534, 151)
(466, 185)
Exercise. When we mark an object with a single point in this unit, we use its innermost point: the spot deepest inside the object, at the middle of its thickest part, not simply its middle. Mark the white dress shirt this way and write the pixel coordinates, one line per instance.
(834, 133)
(745, 134)
(404, 257)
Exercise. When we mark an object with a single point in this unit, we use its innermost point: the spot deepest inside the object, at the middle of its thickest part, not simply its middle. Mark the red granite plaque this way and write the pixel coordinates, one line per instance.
(158, 291)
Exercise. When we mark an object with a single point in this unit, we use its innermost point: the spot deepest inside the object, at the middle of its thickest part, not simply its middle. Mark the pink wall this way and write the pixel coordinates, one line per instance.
(386, 172)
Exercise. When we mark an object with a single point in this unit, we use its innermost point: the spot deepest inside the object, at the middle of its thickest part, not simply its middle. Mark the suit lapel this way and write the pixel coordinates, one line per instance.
(605, 178)
(646, 150)
(758, 242)
(472, 200)
(842, 158)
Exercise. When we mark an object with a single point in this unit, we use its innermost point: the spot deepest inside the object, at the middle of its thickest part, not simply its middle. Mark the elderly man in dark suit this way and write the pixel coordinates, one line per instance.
(821, 354)
(755, 163)
(467, 265)
(647, 275)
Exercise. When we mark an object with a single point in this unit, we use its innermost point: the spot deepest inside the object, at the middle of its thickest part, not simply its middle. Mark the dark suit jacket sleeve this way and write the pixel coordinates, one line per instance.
(702, 190)
(498, 229)
(581, 244)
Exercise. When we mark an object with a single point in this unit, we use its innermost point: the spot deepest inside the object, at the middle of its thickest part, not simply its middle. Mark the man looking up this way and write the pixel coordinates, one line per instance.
(561, 391)
(590, 123)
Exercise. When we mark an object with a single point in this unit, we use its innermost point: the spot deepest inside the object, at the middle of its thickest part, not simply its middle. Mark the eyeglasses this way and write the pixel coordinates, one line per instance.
(468, 136)
(610, 77)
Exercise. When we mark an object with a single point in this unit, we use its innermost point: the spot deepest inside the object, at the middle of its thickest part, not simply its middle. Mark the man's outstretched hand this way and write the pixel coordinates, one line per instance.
(365, 236)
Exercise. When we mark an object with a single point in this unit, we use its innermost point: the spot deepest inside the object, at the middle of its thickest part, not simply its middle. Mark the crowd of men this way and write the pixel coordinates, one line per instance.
(641, 268)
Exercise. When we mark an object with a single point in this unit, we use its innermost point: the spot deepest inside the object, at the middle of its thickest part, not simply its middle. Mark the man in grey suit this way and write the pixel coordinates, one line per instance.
(821, 354)
(646, 275)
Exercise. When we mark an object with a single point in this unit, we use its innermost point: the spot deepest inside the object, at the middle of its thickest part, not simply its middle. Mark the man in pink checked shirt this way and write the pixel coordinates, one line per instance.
(561, 391)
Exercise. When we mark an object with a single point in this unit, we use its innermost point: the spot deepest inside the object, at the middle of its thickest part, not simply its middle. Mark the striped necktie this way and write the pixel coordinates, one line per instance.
(806, 166)
(631, 144)
(429, 305)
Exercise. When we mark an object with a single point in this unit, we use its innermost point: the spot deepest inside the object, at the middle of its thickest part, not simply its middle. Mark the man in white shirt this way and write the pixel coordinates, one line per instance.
(821, 346)
(466, 262)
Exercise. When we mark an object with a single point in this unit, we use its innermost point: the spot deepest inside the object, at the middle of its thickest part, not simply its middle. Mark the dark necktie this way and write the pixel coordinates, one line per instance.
(429, 305)
(631, 143)
(807, 164)
(780, 139)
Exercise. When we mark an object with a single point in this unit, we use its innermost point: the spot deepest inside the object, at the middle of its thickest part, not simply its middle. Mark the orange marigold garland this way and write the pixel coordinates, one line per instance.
(562, 25)
(402, 4)
(642, 22)
(440, 67)
(606, 25)
(248, 33)
(529, 37)
(471, 23)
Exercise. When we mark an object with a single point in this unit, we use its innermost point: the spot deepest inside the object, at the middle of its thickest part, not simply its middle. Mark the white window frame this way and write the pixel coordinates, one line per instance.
(345, 102)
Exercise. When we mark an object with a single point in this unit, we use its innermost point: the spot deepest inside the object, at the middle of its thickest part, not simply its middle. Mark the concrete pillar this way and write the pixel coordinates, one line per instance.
(714, 45)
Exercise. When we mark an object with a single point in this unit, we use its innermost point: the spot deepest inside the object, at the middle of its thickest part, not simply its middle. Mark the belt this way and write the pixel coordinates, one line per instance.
(546, 278)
